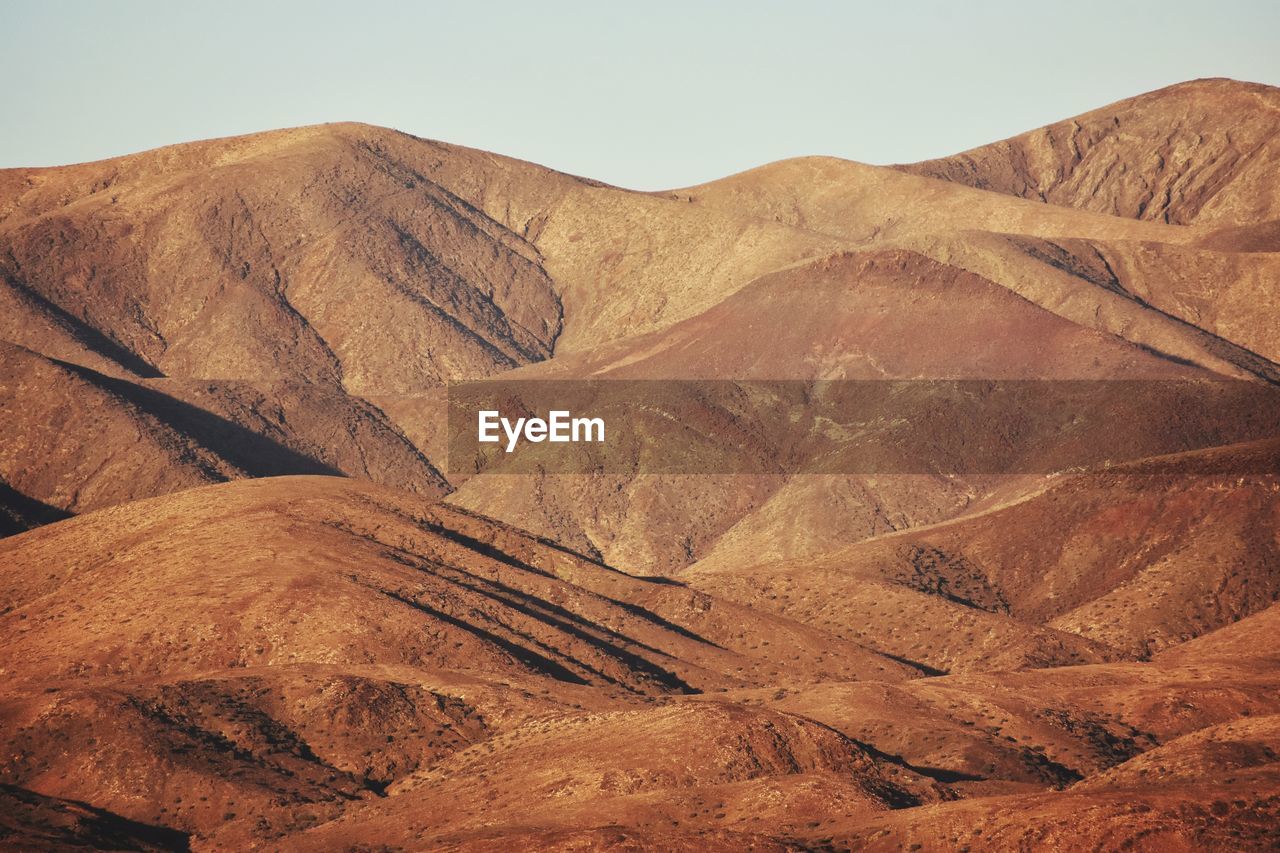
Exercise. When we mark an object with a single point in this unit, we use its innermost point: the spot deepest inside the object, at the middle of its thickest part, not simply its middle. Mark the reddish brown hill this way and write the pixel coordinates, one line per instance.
(876, 314)
(1177, 817)
(868, 315)
(326, 570)
(1137, 558)
(1249, 637)
(1181, 291)
(655, 770)
(1009, 742)
(1213, 286)
(78, 440)
(992, 734)
(281, 747)
(1212, 788)
(302, 662)
(29, 821)
(1233, 752)
(305, 254)
(396, 263)
(275, 648)
(1202, 151)
(264, 276)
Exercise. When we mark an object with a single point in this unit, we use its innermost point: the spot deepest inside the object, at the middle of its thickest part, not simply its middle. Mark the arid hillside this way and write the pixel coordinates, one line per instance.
(1199, 152)
(1136, 559)
(250, 600)
(367, 665)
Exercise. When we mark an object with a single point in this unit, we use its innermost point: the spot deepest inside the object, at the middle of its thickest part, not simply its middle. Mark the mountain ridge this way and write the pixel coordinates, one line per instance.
(245, 602)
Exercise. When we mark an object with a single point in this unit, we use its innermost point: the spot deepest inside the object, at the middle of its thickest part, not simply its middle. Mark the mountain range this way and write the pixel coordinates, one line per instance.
(246, 603)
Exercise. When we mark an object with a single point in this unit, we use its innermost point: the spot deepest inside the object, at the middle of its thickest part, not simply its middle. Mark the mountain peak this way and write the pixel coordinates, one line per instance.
(1201, 151)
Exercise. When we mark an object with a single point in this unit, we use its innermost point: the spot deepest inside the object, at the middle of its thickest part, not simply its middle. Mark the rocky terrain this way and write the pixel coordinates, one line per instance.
(247, 603)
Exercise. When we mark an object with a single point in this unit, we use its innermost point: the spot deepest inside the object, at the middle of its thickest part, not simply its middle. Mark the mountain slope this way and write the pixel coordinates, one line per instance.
(1198, 152)
(1212, 305)
(79, 440)
(655, 769)
(300, 253)
(369, 575)
(281, 647)
(1042, 654)
(1137, 558)
(876, 314)
(33, 822)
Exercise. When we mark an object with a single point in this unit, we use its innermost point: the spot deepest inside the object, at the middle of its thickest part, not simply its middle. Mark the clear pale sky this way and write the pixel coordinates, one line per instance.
(647, 95)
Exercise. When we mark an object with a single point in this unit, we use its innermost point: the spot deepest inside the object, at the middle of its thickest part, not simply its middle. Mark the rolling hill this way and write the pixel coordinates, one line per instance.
(247, 602)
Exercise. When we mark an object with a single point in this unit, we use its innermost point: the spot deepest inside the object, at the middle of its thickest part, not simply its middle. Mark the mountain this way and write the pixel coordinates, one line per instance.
(1197, 152)
(657, 770)
(361, 657)
(249, 598)
(1136, 558)
(35, 822)
(202, 261)
(350, 634)
(79, 439)
(387, 577)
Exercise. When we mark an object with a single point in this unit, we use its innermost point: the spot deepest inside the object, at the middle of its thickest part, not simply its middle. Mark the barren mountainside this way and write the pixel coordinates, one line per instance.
(1199, 152)
(247, 600)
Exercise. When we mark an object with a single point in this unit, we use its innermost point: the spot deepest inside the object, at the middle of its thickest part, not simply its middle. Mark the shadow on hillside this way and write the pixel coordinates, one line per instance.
(87, 335)
(19, 512)
(92, 828)
(254, 453)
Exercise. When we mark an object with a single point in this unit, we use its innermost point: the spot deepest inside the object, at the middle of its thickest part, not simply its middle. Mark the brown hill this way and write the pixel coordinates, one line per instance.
(1211, 286)
(215, 705)
(369, 576)
(1003, 732)
(1229, 752)
(1176, 817)
(351, 253)
(870, 315)
(280, 748)
(78, 440)
(1202, 151)
(1180, 291)
(275, 648)
(626, 659)
(302, 254)
(322, 261)
(1212, 788)
(1017, 745)
(29, 821)
(655, 770)
(1249, 637)
(482, 252)
(876, 314)
(1136, 558)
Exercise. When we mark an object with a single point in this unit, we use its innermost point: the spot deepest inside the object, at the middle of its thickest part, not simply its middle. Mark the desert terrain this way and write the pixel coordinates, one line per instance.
(246, 603)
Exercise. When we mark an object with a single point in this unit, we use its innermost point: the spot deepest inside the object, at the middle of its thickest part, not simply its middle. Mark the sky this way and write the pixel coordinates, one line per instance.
(649, 95)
